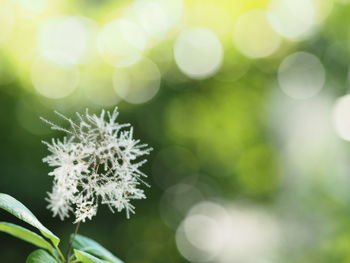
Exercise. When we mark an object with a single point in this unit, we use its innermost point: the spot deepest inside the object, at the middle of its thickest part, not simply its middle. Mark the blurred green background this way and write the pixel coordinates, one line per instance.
(244, 102)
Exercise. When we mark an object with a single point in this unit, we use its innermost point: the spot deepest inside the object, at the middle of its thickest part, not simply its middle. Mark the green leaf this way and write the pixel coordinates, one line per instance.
(17, 209)
(86, 257)
(40, 256)
(25, 235)
(92, 247)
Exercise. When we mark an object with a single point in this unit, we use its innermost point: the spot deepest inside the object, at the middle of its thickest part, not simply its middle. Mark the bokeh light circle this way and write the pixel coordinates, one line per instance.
(152, 17)
(121, 42)
(66, 39)
(176, 201)
(341, 119)
(301, 75)
(194, 225)
(213, 232)
(173, 10)
(293, 19)
(54, 81)
(138, 83)
(156, 17)
(198, 52)
(202, 234)
(254, 36)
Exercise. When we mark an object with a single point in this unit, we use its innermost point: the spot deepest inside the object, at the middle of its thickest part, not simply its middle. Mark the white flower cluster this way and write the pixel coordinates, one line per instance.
(95, 163)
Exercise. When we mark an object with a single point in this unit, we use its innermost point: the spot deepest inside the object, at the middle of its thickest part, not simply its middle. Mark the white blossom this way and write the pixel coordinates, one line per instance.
(96, 162)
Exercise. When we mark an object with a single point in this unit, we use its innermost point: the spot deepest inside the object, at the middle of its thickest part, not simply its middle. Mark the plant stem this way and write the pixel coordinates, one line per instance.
(60, 253)
(71, 241)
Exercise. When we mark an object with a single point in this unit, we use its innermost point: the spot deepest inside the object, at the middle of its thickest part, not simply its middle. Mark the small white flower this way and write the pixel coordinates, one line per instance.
(85, 210)
(59, 202)
(97, 162)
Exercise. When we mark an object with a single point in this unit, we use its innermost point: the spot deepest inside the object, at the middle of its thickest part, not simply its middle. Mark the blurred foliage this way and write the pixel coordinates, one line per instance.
(231, 135)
